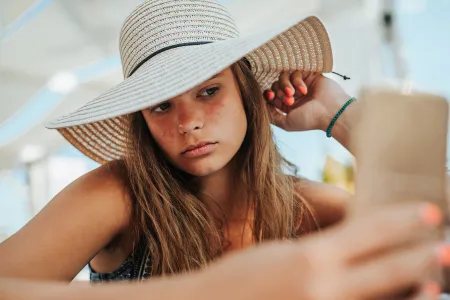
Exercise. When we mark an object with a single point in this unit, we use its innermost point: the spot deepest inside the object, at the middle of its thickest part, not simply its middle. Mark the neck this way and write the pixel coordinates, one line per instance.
(223, 192)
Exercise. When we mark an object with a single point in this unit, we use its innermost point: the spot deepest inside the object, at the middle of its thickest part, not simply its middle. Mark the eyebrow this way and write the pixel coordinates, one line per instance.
(215, 76)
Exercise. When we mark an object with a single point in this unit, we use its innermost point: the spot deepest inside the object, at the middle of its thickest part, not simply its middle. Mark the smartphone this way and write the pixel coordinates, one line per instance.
(400, 143)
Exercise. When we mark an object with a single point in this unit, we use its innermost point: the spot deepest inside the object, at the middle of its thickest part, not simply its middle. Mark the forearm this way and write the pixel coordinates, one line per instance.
(167, 289)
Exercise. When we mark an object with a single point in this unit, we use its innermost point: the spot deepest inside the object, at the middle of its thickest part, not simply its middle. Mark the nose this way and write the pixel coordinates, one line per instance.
(190, 118)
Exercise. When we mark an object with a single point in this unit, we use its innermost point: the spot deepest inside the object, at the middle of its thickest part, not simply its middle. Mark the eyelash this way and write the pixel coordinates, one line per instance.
(215, 88)
(154, 109)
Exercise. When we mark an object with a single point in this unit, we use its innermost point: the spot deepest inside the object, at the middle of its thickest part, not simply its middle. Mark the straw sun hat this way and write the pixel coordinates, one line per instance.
(168, 47)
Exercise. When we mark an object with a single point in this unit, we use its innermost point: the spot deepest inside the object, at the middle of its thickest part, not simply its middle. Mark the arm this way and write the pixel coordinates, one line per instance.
(328, 203)
(343, 125)
(184, 287)
(79, 222)
(316, 101)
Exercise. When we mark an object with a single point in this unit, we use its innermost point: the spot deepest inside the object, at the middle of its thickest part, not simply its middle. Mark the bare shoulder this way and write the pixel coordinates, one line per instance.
(107, 175)
(107, 180)
(105, 188)
(328, 203)
(74, 226)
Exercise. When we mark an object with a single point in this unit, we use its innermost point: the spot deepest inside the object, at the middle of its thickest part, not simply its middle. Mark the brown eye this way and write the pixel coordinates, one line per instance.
(162, 107)
(209, 92)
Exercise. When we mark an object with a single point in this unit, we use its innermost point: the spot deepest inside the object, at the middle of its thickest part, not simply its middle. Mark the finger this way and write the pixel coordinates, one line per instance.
(276, 89)
(404, 294)
(278, 118)
(423, 291)
(285, 84)
(394, 272)
(287, 88)
(427, 291)
(280, 95)
(298, 83)
(412, 220)
(280, 105)
(278, 99)
(269, 95)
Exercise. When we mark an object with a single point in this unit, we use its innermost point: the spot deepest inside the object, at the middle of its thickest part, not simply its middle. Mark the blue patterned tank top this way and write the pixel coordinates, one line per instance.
(136, 267)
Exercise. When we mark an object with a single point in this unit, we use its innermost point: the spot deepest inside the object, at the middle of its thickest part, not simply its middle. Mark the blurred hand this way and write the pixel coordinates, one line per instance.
(309, 100)
(363, 258)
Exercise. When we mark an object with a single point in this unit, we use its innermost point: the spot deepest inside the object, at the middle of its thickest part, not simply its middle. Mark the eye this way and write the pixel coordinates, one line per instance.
(209, 92)
(161, 107)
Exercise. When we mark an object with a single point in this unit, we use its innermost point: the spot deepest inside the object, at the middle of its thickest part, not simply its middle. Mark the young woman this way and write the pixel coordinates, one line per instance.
(191, 171)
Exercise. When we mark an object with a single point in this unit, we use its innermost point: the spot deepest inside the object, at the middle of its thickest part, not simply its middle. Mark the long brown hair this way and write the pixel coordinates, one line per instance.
(180, 231)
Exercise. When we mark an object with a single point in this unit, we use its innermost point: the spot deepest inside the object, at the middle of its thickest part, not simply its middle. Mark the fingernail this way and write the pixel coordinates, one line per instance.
(270, 95)
(289, 92)
(433, 289)
(432, 215)
(444, 255)
(304, 90)
(289, 100)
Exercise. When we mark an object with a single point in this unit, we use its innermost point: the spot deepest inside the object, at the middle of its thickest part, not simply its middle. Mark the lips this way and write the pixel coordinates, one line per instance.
(199, 149)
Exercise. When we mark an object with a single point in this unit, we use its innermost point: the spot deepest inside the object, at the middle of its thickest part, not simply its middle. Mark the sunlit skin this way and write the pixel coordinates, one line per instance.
(212, 114)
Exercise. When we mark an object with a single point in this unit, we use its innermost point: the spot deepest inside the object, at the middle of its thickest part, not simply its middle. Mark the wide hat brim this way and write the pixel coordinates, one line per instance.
(98, 128)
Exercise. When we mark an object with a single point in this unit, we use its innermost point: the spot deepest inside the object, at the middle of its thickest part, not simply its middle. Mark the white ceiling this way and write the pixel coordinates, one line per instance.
(72, 35)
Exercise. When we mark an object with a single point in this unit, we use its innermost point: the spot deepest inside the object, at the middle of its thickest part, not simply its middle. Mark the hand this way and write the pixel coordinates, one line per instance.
(309, 100)
(363, 258)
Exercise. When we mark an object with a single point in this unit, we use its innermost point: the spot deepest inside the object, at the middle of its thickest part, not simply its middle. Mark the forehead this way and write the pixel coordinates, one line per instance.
(225, 75)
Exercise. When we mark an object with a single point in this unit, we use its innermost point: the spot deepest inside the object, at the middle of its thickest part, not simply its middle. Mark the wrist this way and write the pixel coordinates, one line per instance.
(344, 119)
(340, 122)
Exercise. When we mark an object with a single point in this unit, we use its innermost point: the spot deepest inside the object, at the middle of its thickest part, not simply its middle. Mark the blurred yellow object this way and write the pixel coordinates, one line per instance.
(339, 174)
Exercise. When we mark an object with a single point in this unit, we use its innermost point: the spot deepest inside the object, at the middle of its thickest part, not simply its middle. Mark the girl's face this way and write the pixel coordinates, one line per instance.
(201, 130)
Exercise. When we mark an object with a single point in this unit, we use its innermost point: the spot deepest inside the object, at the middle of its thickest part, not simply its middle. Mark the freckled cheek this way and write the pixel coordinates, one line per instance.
(164, 135)
(219, 113)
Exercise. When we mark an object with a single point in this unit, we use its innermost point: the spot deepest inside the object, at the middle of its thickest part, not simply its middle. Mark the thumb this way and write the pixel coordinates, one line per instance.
(278, 118)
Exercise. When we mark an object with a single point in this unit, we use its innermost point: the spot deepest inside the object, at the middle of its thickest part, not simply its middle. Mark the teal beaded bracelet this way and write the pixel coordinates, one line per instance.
(338, 114)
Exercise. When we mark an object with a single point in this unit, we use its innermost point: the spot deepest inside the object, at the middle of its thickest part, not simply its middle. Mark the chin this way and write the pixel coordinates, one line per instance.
(201, 171)
(202, 168)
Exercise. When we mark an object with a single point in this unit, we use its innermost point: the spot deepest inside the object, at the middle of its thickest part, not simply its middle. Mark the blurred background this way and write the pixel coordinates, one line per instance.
(55, 55)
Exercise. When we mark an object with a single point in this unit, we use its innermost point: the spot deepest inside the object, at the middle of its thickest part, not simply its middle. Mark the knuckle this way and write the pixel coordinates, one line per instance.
(296, 80)
(284, 77)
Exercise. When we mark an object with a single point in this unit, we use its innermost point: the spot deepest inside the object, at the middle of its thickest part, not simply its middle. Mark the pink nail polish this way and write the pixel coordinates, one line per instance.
(433, 289)
(304, 90)
(432, 215)
(289, 92)
(270, 95)
(444, 255)
(289, 100)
